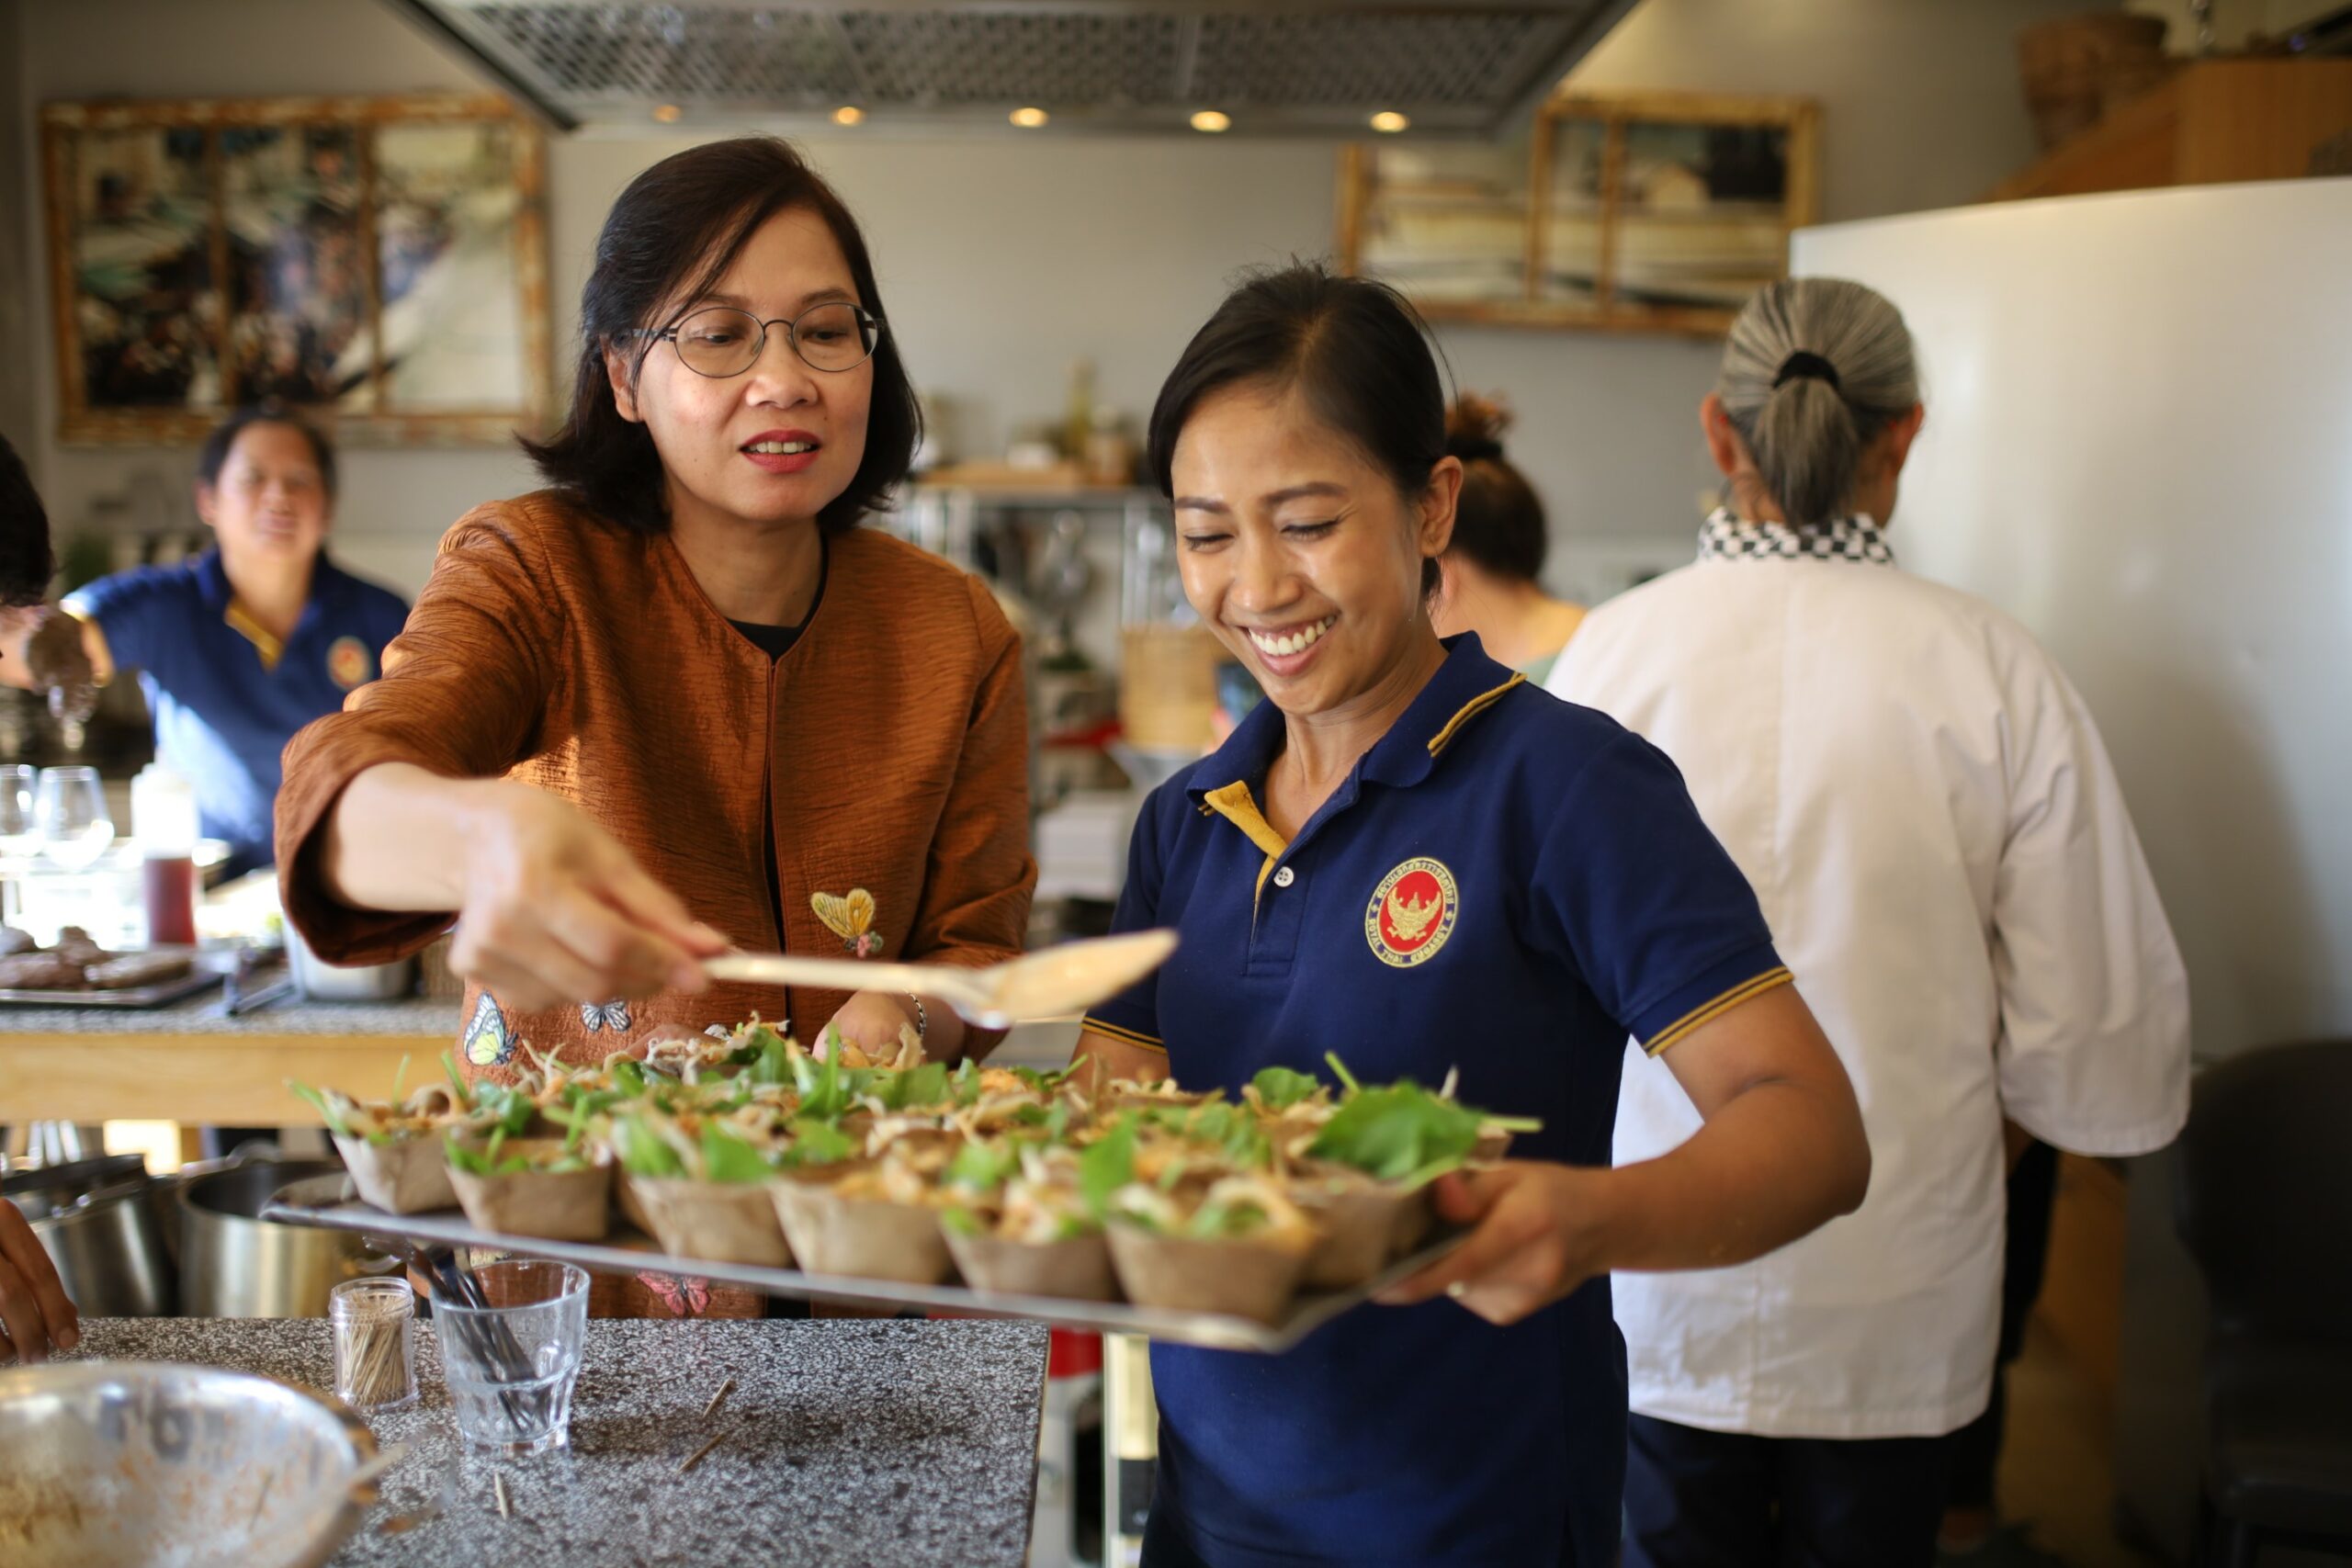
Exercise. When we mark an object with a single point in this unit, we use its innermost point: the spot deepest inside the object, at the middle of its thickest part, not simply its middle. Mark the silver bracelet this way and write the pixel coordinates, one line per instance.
(922, 1018)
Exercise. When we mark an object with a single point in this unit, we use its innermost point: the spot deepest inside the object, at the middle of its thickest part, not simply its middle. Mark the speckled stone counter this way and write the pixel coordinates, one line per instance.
(205, 1013)
(849, 1443)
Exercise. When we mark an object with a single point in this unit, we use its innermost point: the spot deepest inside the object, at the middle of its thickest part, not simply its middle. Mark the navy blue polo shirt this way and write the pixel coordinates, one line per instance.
(1507, 885)
(226, 695)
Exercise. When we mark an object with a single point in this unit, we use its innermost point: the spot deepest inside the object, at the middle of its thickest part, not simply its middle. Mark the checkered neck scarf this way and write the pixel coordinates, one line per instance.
(1725, 537)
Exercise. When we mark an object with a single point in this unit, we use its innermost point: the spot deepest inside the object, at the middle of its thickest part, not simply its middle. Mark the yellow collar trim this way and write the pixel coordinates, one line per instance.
(1237, 806)
(1469, 711)
(270, 648)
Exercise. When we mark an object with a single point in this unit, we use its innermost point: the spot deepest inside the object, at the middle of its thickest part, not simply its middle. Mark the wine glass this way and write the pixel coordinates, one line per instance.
(70, 809)
(19, 828)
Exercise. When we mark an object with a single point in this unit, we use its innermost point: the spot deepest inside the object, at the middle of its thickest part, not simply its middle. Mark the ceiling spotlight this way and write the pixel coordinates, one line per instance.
(1029, 119)
(668, 114)
(849, 114)
(1389, 122)
(1211, 121)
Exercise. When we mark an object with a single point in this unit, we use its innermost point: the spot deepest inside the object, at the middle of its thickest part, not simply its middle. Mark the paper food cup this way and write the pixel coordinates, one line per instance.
(572, 1205)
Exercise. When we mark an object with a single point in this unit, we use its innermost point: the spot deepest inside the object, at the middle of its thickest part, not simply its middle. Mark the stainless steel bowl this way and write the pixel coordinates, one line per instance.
(151, 1465)
(323, 982)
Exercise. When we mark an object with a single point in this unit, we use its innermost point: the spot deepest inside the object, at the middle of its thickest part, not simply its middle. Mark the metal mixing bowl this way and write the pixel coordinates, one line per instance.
(151, 1464)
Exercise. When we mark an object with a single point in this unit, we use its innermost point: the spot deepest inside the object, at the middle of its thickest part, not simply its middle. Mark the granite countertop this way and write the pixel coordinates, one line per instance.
(850, 1442)
(426, 1018)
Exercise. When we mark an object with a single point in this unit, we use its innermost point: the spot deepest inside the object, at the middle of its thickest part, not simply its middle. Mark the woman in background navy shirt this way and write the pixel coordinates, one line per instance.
(243, 644)
(1411, 858)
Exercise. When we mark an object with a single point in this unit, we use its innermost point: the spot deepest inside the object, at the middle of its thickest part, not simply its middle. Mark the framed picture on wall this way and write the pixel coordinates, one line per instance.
(1630, 211)
(381, 262)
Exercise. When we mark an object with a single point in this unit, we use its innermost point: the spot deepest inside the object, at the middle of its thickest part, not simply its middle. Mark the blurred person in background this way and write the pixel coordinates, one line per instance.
(1493, 571)
(1922, 804)
(35, 1315)
(238, 648)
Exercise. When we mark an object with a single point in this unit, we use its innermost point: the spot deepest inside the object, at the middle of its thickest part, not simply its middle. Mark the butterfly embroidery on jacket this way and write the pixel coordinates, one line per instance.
(611, 1015)
(486, 1043)
(683, 1296)
(850, 918)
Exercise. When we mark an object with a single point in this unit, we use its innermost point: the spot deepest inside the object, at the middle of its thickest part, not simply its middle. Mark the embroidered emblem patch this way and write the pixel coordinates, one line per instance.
(486, 1043)
(349, 663)
(611, 1015)
(851, 918)
(1411, 913)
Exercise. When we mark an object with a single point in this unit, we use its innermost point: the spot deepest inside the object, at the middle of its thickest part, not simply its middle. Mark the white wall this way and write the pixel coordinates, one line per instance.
(1005, 257)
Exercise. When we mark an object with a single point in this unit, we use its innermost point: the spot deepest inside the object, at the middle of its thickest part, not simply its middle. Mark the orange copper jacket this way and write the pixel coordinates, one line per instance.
(562, 650)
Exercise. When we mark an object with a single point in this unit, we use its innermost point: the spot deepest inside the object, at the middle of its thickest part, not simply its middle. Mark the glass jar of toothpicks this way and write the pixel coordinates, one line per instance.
(375, 1343)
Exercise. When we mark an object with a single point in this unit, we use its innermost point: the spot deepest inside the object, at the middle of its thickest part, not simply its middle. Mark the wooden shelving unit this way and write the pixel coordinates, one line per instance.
(2216, 123)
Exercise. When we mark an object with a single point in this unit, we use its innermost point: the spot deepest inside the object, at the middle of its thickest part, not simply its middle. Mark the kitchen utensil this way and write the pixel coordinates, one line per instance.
(119, 1463)
(511, 1363)
(233, 1263)
(95, 1221)
(326, 1202)
(324, 982)
(1059, 982)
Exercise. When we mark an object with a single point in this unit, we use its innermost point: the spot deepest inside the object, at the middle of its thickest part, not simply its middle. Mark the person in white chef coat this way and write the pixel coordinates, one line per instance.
(1923, 804)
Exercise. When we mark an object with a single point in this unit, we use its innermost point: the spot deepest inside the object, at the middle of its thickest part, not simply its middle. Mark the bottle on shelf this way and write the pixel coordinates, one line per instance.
(164, 823)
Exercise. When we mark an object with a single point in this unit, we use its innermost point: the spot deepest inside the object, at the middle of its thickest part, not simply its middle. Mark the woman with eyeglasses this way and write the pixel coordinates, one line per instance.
(679, 699)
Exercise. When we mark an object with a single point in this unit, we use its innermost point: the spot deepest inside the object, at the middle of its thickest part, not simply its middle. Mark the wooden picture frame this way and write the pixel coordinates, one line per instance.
(379, 263)
(1649, 211)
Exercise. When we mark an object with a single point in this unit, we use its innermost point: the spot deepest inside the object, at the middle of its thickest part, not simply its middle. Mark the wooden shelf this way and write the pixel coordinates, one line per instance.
(2216, 123)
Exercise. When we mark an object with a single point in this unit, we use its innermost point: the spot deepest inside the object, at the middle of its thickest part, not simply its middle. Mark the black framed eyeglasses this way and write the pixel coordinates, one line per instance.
(719, 340)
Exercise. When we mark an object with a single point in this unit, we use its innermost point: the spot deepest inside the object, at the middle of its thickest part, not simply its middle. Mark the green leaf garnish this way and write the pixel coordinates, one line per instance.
(771, 1063)
(1282, 1088)
(982, 1167)
(1217, 1222)
(1399, 1131)
(643, 1151)
(1106, 1165)
(1044, 1082)
(725, 1156)
(457, 1090)
(329, 1106)
(818, 1143)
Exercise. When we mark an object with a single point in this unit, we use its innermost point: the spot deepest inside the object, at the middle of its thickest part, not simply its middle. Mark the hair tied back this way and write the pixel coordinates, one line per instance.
(1803, 364)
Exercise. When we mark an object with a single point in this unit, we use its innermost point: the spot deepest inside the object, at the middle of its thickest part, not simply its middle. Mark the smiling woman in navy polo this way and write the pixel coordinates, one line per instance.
(1410, 858)
(247, 643)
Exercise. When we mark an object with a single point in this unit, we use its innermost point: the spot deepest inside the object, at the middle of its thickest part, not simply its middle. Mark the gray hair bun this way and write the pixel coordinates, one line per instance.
(1814, 369)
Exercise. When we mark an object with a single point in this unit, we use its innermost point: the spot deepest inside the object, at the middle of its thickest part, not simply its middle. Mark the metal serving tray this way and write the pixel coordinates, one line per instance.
(212, 964)
(329, 1200)
(161, 993)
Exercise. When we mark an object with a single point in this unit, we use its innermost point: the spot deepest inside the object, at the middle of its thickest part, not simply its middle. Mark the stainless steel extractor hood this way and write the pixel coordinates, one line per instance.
(1313, 67)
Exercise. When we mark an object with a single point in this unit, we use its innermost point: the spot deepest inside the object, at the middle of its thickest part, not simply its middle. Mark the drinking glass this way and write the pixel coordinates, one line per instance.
(19, 828)
(512, 1360)
(70, 809)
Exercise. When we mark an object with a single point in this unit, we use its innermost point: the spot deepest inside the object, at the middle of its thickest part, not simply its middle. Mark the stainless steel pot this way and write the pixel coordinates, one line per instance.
(323, 982)
(233, 1264)
(109, 1252)
(96, 1222)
